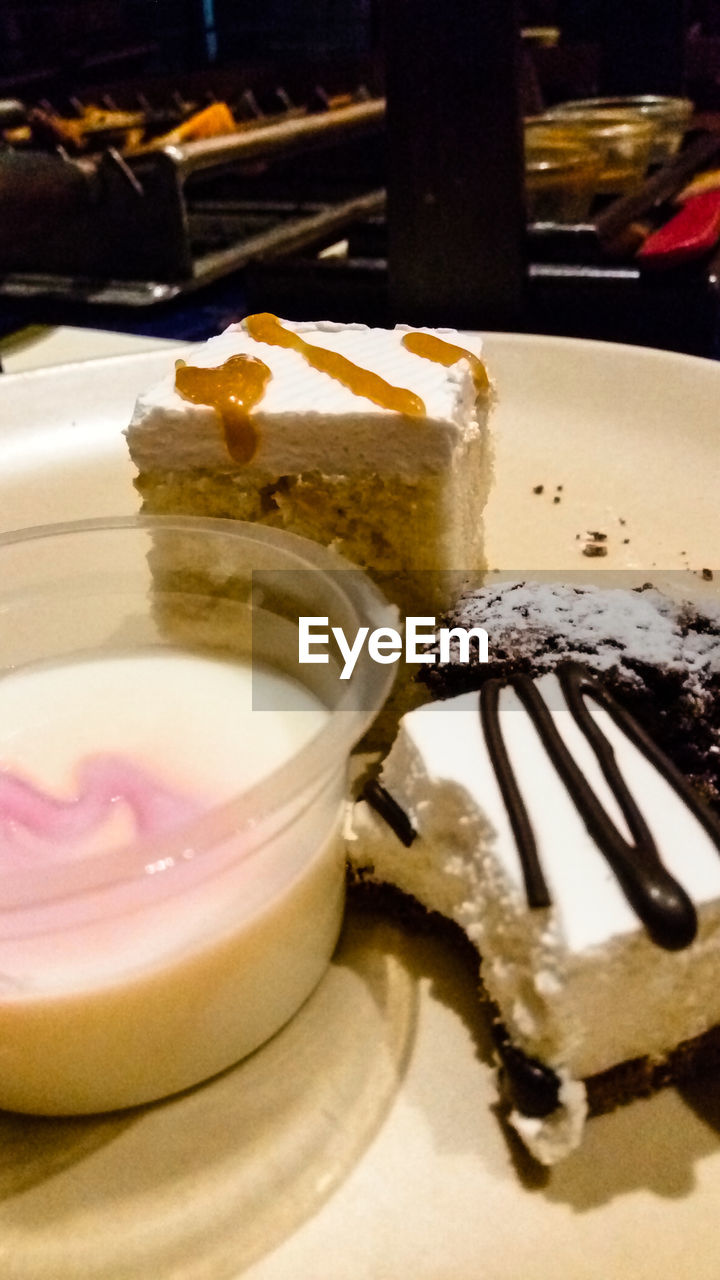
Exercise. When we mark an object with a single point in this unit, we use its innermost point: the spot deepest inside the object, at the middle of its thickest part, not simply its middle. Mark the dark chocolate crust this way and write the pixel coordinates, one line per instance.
(640, 1077)
(620, 1084)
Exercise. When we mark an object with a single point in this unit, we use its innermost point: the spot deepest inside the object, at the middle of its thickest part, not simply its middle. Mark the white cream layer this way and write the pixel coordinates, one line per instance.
(307, 420)
(112, 997)
(579, 985)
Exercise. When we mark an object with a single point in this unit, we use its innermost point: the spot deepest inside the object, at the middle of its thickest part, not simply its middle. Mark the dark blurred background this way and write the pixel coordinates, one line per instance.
(61, 48)
(57, 49)
(448, 245)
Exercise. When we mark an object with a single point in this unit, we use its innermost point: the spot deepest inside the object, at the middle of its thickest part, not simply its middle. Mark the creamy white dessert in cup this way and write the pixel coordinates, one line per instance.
(171, 869)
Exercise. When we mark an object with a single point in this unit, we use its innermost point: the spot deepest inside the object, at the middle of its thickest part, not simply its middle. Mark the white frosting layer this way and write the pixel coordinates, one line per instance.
(580, 985)
(307, 420)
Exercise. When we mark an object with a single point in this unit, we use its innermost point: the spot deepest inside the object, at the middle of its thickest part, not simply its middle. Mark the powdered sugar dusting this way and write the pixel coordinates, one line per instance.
(611, 627)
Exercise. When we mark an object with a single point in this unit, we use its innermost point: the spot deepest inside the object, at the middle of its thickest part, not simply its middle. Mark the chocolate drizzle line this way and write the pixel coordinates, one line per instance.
(659, 901)
(530, 1086)
(578, 683)
(389, 809)
(538, 894)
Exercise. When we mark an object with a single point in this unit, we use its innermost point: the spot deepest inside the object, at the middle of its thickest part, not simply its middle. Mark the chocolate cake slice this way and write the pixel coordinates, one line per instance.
(534, 812)
(660, 657)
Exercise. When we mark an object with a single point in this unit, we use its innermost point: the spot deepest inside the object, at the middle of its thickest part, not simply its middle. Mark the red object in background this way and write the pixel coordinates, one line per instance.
(691, 233)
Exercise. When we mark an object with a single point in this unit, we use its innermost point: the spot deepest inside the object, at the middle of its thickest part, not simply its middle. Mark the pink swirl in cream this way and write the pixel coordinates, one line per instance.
(108, 788)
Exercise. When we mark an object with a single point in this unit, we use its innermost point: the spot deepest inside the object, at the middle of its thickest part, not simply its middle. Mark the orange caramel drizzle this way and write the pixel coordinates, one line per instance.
(233, 389)
(267, 328)
(446, 353)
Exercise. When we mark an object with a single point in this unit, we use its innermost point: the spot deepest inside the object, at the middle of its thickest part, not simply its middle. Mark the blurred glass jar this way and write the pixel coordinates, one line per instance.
(623, 140)
(670, 116)
(560, 181)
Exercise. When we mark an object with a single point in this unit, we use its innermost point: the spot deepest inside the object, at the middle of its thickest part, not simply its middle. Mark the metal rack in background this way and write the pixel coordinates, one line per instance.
(137, 229)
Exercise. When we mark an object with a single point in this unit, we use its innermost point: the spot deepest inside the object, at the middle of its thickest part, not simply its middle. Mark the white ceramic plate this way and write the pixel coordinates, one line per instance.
(361, 1143)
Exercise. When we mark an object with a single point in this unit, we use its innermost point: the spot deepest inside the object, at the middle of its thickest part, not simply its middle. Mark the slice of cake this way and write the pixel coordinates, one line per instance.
(371, 441)
(538, 817)
(660, 656)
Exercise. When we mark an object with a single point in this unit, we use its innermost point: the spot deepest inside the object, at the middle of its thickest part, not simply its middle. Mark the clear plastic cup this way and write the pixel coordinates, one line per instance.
(173, 785)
